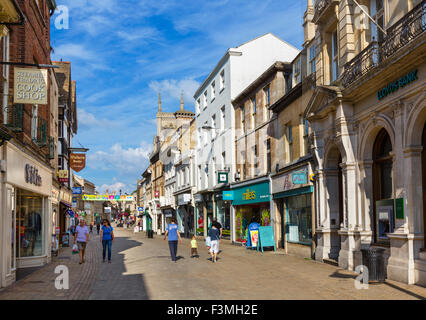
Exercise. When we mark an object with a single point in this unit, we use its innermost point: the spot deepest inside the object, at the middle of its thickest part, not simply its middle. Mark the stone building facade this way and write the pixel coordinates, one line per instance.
(367, 116)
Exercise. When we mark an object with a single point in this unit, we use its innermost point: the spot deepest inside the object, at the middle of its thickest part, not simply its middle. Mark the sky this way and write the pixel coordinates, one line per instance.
(123, 52)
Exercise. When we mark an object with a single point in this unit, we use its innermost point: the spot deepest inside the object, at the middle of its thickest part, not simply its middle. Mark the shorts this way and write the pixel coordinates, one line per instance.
(81, 245)
(214, 246)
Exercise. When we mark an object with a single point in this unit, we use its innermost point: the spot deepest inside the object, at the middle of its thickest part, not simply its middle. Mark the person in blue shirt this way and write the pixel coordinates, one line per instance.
(173, 234)
(106, 237)
(214, 235)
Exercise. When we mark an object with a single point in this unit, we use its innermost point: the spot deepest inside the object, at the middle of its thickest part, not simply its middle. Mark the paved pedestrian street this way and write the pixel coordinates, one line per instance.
(141, 269)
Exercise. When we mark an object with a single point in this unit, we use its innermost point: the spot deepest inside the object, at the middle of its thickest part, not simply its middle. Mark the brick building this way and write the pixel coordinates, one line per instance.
(25, 152)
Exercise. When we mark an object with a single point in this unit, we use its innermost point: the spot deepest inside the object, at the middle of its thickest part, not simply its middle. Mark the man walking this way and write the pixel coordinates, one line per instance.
(173, 233)
(82, 237)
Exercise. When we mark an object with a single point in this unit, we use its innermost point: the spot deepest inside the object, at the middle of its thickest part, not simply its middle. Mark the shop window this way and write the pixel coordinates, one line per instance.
(29, 224)
(299, 219)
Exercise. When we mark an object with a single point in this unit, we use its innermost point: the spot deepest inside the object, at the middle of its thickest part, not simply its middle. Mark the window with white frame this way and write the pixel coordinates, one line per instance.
(197, 106)
(205, 99)
(222, 80)
(213, 90)
(297, 71)
(222, 119)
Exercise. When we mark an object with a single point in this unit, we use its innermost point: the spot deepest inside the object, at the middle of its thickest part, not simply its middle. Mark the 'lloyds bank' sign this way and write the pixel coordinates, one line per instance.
(395, 85)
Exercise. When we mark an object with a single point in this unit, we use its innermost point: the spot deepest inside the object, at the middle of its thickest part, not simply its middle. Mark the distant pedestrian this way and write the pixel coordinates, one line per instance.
(214, 235)
(98, 227)
(194, 247)
(82, 238)
(173, 234)
(107, 237)
(91, 228)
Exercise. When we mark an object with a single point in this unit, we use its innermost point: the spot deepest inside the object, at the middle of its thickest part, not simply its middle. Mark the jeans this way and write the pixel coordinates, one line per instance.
(173, 249)
(105, 244)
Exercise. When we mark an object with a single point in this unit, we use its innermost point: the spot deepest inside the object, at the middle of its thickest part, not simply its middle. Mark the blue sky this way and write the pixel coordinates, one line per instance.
(123, 52)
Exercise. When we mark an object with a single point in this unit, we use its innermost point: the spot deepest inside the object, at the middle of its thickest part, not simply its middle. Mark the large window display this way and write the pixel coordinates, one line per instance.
(299, 219)
(245, 215)
(29, 224)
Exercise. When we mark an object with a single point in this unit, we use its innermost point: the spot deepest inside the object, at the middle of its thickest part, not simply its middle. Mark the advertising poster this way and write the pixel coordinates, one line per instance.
(254, 237)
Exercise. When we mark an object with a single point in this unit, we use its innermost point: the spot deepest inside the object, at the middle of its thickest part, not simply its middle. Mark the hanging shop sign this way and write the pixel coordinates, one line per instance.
(63, 176)
(140, 209)
(107, 209)
(222, 177)
(252, 194)
(106, 197)
(157, 194)
(228, 195)
(32, 176)
(184, 199)
(77, 161)
(77, 190)
(397, 84)
(30, 86)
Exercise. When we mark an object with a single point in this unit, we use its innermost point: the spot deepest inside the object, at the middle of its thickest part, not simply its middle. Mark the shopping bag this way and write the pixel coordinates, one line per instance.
(208, 242)
(74, 249)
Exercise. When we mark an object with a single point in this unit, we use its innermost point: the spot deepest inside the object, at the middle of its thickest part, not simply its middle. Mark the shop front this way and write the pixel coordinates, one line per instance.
(293, 196)
(169, 214)
(26, 232)
(251, 203)
(185, 215)
(223, 214)
(199, 214)
(66, 218)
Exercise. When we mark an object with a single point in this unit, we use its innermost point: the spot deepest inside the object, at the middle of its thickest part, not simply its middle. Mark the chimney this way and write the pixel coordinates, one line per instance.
(308, 25)
(181, 102)
(159, 102)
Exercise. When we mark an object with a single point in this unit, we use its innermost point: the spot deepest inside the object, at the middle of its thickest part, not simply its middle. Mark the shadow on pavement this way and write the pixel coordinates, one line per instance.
(112, 283)
(338, 274)
(415, 295)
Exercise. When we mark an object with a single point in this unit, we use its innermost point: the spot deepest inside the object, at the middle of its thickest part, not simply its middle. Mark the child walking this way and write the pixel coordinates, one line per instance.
(194, 247)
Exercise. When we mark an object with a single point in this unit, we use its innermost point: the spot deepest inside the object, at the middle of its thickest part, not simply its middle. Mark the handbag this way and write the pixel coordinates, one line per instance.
(75, 249)
(208, 242)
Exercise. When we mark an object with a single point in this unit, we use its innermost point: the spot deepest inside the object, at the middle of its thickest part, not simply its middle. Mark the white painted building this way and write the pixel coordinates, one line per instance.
(215, 150)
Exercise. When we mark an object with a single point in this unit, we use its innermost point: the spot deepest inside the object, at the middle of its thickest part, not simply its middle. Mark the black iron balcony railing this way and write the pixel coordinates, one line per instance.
(320, 5)
(14, 117)
(40, 133)
(365, 61)
(403, 32)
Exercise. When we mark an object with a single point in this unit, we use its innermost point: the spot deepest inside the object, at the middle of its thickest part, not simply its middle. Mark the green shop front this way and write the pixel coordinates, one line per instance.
(251, 203)
(292, 193)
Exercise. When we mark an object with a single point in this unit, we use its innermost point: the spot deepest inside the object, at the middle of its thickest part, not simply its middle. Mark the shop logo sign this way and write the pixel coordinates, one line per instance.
(397, 84)
(249, 195)
(32, 176)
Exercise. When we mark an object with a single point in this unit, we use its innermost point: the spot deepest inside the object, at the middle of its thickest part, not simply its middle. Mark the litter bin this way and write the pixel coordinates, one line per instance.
(150, 234)
(374, 260)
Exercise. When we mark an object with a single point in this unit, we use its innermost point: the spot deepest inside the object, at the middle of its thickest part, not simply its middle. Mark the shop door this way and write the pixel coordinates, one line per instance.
(424, 181)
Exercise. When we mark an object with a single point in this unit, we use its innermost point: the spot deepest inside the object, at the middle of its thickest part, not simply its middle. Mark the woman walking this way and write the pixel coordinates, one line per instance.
(107, 237)
(173, 233)
(214, 235)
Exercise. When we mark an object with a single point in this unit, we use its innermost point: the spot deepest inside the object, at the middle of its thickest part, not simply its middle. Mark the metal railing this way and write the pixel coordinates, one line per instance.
(320, 5)
(403, 32)
(40, 137)
(14, 117)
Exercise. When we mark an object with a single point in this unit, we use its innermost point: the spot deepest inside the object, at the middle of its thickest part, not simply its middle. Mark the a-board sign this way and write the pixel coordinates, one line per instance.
(266, 238)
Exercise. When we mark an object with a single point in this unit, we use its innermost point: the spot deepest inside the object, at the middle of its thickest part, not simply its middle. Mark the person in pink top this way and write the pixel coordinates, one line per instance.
(82, 238)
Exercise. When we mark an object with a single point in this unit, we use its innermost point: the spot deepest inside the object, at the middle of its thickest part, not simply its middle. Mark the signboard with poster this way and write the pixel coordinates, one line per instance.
(30, 86)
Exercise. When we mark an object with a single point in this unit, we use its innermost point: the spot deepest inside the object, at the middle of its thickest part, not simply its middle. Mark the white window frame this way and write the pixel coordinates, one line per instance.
(334, 56)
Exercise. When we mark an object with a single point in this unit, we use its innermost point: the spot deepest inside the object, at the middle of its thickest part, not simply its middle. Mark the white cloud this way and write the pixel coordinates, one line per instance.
(174, 88)
(126, 161)
(114, 187)
(73, 50)
(87, 119)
